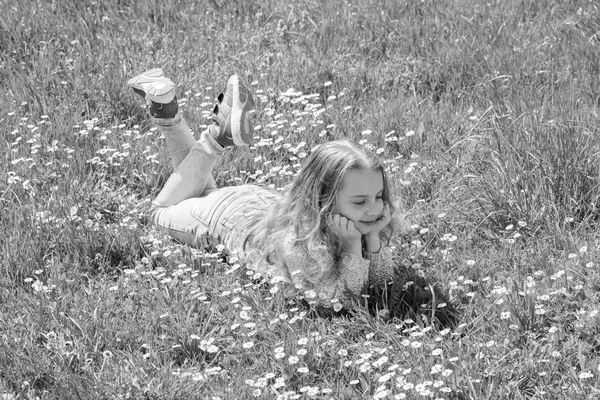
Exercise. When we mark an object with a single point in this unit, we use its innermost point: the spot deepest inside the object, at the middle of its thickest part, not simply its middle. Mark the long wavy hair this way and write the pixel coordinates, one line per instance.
(301, 213)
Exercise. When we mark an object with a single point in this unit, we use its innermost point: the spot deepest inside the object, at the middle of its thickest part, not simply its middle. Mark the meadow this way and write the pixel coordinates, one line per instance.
(485, 112)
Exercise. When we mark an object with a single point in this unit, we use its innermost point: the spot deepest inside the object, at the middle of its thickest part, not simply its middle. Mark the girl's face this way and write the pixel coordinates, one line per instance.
(360, 198)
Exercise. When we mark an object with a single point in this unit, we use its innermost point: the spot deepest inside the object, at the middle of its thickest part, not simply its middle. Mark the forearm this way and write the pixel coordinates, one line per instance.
(381, 265)
(352, 247)
(352, 278)
(372, 243)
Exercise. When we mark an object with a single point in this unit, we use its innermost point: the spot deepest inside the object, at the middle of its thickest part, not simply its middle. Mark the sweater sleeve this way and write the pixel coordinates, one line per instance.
(340, 281)
(353, 275)
(381, 266)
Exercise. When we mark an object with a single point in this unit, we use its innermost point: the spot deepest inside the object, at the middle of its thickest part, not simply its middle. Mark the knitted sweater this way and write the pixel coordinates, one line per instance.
(348, 277)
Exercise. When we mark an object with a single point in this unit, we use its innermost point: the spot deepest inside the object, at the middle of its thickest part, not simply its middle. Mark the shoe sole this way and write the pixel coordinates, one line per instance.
(243, 103)
(157, 88)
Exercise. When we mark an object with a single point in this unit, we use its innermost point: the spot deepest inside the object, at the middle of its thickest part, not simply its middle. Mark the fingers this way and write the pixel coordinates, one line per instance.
(386, 213)
(342, 225)
(384, 219)
(334, 221)
(386, 210)
(350, 225)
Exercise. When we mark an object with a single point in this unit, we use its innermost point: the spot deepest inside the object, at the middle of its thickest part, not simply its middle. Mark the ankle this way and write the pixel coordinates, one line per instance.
(219, 135)
(168, 122)
(165, 111)
(210, 144)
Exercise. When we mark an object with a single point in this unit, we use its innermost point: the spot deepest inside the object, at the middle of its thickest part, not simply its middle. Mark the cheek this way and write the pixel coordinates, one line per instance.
(340, 209)
(345, 211)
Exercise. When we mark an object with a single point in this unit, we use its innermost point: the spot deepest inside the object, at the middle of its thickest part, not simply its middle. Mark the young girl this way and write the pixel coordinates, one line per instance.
(328, 233)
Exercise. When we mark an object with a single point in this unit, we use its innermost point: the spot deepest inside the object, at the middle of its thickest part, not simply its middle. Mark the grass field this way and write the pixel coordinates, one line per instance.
(486, 113)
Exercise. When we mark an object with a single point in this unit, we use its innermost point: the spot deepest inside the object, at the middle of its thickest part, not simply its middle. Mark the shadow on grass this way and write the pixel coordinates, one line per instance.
(409, 295)
(406, 296)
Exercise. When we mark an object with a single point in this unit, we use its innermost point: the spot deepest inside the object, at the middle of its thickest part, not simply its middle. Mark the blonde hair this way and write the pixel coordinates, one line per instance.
(302, 211)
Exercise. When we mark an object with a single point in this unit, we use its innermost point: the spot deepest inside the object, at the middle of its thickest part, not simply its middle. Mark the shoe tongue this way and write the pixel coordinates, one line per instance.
(140, 92)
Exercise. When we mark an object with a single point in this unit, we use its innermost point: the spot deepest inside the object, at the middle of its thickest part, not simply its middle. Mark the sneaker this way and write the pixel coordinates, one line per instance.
(158, 90)
(241, 104)
(221, 127)
(222, 115)
(225, 101)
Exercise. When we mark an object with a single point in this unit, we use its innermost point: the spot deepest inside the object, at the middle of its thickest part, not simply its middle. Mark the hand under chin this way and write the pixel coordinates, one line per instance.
(363, 229)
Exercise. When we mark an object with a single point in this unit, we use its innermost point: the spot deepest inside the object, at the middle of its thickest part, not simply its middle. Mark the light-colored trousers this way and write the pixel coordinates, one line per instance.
(190, 207)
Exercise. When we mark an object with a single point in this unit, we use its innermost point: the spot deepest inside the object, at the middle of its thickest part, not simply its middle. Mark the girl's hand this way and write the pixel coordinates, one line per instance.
(349, 236)
(372, 241)
(384, 220)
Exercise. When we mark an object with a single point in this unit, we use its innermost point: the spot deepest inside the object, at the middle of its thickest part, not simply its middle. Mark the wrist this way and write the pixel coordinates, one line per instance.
(352, 247)
(372, 243)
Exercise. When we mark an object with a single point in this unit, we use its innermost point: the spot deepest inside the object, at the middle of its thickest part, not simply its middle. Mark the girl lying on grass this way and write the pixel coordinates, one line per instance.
(328, 232)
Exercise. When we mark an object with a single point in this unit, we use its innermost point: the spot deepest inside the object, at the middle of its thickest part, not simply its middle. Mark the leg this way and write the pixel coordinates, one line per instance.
(199, 221)
(193, 161)
(224, 216)
(177, 221)
(178, 136)
(187, 221)
(180, 141)
(159, 93)
(193, 176)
